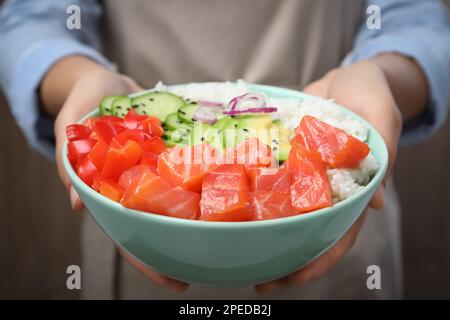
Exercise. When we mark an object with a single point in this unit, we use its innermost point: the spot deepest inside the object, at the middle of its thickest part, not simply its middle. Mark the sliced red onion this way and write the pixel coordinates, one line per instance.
(258, 100)
(205, 114)
(251, 110)
(207, 103)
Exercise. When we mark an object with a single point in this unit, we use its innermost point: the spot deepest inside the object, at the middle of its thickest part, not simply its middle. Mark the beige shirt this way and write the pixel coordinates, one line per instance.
(279, 42)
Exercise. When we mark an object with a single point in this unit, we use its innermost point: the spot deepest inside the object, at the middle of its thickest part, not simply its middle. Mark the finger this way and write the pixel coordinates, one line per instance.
(155, 277)
(75, 200)
(268, 287)
(328, 260)
(132, 85)
(377, 201)
(317, 88)
(320, 266)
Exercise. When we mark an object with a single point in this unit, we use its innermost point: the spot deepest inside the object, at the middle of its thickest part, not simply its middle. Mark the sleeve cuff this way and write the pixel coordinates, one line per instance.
(428, 123)
(26, 78)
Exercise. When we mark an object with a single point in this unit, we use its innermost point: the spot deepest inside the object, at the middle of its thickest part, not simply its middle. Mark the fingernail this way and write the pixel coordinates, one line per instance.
(73, 197)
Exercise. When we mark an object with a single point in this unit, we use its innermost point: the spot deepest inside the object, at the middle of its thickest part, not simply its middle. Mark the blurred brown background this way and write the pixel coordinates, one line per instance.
(39, 234)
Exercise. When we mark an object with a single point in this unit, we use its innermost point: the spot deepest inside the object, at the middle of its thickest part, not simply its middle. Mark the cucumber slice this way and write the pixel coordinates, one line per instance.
(167, 134)
(167, 138)
(120, 106)
(187, 111)
(181, 136)
(106, 105)
(173, 122)
(158, 104)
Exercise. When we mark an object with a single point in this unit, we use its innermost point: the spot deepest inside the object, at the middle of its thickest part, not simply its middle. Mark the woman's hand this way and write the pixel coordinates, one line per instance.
(79, 85)
(363, 88)
(85, 95)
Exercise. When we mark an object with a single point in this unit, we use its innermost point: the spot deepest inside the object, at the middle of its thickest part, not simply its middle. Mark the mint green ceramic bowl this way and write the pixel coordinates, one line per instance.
(230, 254)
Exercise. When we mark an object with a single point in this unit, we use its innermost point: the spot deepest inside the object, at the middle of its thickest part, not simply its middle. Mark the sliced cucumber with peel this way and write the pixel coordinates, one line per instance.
(120, 106)
(106, 105)
(187, 111)
(173, 122)
(158, 104)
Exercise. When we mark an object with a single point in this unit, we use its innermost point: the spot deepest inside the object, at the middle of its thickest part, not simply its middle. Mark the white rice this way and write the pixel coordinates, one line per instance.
(344, 182)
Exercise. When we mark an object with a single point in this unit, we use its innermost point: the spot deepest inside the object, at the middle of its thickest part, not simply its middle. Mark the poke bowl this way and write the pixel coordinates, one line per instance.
(210, 250)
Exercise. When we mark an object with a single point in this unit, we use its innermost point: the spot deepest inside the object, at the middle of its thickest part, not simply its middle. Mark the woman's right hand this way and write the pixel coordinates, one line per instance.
(79, 84)
(85, 95)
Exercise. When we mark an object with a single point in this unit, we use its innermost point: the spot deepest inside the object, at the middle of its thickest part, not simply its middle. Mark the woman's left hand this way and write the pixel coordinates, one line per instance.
(364, 89)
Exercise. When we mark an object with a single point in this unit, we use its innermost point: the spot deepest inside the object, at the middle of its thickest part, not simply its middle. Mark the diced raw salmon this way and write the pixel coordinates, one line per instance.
(252, 153)
(225, 194)
(310, 189)
(269, 179)
(335, 146)
(185, 166)
(272, 204)
(149, 192)
(127, 177)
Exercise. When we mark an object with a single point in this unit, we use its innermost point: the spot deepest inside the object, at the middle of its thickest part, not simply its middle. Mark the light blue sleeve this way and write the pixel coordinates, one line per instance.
(420, 30)
(33, 36)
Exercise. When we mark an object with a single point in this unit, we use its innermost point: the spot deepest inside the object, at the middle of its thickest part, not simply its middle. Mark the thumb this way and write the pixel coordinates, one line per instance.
(317, 88)
(133, 86)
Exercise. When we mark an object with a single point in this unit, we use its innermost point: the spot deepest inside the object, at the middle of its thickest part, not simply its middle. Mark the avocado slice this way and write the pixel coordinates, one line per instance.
(204, 133)
(255, 122)
(284, 133)
(226, 122)
(281, 151)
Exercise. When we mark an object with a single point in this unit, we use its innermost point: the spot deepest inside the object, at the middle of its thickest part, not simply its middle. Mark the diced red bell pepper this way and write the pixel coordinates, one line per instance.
(110, 119)
(123, 137)
(154, 145)
(90, 122)
(335, 146)
(120, 159)
(111, 190)
(78, 150)
(150, 158)
(96, 182)
(106, 130)
(152, 126)
(86, 170)
(98, 154)
(132, 120)
(77, 132)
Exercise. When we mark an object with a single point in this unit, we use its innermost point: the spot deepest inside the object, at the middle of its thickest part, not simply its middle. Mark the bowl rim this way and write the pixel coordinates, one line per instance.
(372, 185)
